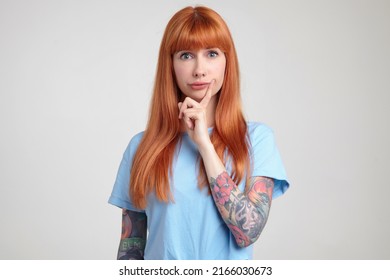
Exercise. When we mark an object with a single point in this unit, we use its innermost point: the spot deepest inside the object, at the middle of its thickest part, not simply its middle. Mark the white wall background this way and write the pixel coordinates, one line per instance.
(75, 83)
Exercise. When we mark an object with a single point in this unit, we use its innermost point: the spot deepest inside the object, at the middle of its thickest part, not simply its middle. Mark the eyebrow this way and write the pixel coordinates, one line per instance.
(207, 49)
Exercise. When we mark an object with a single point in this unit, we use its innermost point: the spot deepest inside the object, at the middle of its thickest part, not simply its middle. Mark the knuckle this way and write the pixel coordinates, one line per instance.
(187, 100)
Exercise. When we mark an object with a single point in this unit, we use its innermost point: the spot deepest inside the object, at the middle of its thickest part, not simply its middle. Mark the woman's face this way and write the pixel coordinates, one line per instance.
(194, 70)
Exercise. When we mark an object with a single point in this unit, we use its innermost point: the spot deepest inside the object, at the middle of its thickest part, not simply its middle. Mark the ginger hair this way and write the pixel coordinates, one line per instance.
(191, 28)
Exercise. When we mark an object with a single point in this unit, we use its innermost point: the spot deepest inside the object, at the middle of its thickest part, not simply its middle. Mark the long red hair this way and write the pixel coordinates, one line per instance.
(189, 29)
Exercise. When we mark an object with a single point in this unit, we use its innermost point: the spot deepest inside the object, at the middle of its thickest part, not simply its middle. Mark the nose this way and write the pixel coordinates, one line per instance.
(200, 69)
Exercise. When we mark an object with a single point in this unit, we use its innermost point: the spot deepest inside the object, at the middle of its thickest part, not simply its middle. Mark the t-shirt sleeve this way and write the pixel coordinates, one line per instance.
(266, 158)
(120, 193)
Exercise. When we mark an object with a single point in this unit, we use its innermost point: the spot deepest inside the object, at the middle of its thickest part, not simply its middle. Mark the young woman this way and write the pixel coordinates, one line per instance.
(199, 181)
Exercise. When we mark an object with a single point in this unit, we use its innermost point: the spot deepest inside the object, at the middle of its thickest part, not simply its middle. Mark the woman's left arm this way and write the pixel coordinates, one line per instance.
(245, 213)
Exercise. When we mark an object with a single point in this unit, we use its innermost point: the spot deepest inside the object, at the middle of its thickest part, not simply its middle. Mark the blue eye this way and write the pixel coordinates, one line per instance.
(213, 54)
(185, 56)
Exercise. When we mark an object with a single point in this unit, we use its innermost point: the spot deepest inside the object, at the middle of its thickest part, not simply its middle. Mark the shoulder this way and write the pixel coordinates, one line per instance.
(136, 139)
(133, 145)
(258, 130)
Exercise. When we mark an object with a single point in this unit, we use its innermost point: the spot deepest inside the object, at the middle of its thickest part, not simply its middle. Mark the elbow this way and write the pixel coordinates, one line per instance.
(244, 244)
(245, 238)
(244, 241)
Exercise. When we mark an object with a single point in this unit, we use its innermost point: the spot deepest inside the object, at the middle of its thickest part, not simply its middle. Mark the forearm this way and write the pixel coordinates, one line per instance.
(212, 163)
(133, 237)
(131, 249)
(245, 213)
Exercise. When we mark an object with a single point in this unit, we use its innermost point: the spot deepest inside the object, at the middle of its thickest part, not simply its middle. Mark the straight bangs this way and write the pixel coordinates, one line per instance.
(201, 31)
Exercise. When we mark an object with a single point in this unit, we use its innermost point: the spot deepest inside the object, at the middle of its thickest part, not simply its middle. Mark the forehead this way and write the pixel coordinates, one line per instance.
(197, 36)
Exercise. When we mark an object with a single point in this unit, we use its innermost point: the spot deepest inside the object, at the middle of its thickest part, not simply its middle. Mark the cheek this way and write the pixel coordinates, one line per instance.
(220, 75)
(176, 70)
(178, 78)
(221, 67)
(219, 84)
(180, 74)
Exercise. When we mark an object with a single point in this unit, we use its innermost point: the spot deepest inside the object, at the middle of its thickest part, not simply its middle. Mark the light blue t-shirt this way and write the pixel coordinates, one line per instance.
(191, 226)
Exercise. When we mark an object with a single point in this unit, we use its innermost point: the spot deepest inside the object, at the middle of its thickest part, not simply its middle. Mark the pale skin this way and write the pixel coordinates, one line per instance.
(199, 75)
(245, 213)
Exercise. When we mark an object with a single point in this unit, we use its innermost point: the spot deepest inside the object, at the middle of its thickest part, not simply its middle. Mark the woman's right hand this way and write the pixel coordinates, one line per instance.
(194, 117)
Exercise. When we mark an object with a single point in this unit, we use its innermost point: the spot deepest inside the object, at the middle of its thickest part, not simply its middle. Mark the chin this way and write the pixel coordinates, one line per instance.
(196, 95)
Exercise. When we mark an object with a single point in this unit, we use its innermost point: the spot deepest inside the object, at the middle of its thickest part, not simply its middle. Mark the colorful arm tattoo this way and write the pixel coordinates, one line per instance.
(133, 238)
(244, 213)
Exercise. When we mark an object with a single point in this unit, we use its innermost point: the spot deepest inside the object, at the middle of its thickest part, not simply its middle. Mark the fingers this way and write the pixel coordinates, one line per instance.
(187, 115)
(185, 107)
(190, 116)
(206, 99)
(189, 122)
(179, 105)
(181, 109)
(188, 103)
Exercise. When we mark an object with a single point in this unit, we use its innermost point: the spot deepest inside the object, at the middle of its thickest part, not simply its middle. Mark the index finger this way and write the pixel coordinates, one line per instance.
(206, 99)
